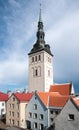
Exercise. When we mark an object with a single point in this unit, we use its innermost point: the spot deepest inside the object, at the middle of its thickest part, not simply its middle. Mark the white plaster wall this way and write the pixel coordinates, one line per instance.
(2, 107)
(42, 82)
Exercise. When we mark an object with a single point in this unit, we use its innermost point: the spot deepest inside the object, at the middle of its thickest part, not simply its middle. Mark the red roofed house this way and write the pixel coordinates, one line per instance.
(63, 89)
(69, 116)
(3, 99)
(16, 104)
(43, 108)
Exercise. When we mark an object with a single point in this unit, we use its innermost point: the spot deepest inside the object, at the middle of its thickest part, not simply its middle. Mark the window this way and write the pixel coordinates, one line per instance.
(13, 122)
(39, 57)
(49, 59)
(35, 115)
(30, 114)
(51, 112)
(10, 121)
(41, 116)
(18, 105)
(32, 59)
(17, 114)
(18, 123)
(56, 112)
(35, 106)
(51, 119)
(35, 125)
(2, 103)
(10, 105)
(35, 58)
(13, 98)
(12, 113)
(36, 72)
(13, 106)
(41, 127)
(2, 110)
(71, 117)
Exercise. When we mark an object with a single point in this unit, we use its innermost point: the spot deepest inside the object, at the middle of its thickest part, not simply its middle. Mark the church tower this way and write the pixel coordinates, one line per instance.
(40, 62)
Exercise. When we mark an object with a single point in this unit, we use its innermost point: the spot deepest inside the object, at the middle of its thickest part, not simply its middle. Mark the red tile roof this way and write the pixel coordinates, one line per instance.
(63, 89)
(58, 101)
(53, 99)
(76, 100)
(23, 96)
(3, 96)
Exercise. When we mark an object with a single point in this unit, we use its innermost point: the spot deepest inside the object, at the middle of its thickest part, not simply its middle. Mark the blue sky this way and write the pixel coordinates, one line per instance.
(18, 27)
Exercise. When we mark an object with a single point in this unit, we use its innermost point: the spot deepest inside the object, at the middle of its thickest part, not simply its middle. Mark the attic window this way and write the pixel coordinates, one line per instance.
(35, 106)
(13, 98)
(71, 117)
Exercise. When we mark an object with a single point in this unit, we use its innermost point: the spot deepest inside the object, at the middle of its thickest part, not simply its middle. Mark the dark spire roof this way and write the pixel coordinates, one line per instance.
(40, 18)
(40, 43)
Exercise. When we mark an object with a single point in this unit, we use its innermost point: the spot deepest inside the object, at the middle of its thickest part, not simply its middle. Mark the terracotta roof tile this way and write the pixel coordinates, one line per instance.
(63, 89)
(58, 101)
(23, 96)
(53, 99)
(76, 100)
(3, 96)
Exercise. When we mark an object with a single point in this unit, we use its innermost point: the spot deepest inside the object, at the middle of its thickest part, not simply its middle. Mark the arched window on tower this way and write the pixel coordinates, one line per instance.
(39, 57)
(36, 71)
(35, 58)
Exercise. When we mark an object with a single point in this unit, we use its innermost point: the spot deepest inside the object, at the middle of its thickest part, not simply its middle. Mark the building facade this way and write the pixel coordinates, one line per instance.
(40, 63)
(68, 119)
(43, 108)
(3, 99)
(16, 104)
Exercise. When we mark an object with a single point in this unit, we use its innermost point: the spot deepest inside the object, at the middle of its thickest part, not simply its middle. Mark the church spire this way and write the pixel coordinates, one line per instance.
(40, 32)
(40, 42)
(40, 18)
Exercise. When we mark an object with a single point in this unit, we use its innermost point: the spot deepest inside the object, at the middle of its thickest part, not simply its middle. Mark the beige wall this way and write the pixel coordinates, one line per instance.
(15, 114)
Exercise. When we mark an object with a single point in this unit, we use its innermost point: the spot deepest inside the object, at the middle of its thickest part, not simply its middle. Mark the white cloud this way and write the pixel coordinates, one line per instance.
(13, 71)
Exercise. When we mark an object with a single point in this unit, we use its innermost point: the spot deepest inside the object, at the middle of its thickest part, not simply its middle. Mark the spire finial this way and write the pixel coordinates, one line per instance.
(40, 19)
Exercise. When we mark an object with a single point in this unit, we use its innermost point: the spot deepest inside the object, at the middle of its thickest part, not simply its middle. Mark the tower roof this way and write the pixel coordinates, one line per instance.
(40, 43)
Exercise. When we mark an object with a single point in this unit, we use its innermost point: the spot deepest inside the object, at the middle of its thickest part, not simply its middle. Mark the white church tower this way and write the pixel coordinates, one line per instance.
(40, 63)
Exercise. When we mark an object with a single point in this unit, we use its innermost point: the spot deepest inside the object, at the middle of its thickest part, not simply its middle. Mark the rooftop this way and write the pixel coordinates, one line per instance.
(53, 99)
(3, 96)
(63, 89)
(23, 96)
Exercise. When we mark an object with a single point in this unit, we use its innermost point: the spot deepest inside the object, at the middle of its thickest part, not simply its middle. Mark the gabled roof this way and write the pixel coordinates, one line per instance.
(23, 96)
(76, 100)
(3, 96)
(53, 99)
(63, 89)
(58, 101)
